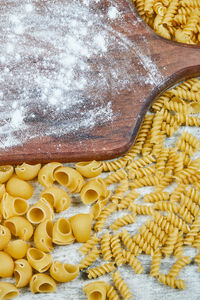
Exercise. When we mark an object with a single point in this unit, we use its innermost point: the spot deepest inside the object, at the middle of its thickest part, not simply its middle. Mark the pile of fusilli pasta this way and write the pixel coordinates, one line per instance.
(28, 234)
(177, 20)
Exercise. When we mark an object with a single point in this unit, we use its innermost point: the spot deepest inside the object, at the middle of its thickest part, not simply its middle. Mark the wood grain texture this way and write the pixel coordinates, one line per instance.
(174, 62)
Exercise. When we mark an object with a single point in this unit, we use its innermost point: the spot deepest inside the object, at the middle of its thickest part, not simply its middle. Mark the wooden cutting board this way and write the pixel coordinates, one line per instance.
(100, 120)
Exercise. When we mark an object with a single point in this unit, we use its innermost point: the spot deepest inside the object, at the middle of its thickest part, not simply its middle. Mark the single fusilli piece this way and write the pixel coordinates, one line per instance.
(156, 230)
(177, 222)
(149, 180)
(142, 243)
(101, 270)
(119, 192)
(112, 293)
(166, 206)
(155, 197)
(141, 172)
(85, 248)
(114, 165)
(106, 246)
(133, 261)
(116, 249)
(123, 221)
(128, 199)
(179, 264)
(178, 247)
(121, 286)
(171, 11)
(171, 281)
(141, 162)
(192, 207)
(115, 177)
(149, 237)
(89, 259)
(101, 220)
(194, 195)
(141, 209)
(156, 261)
(194, 229)
(129, 243)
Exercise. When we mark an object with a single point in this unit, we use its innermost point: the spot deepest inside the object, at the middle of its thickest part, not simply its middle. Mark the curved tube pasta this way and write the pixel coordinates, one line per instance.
(63, 272)
(42, 283)
(69, 178)
(20, 227)
(13, 206)
(17, 187)
(5, 173)
(81, 226)
(6, 265)
(27, 172)
(8, 291)
(43, 236)
(46, 174)
(17, 249)
(39, 260)
(5, 237)
(62, 232)
(89, 169)
(2, 190)
(40, 212)
(58, 198)
(93, 190)
(22, 272)
(96, 290)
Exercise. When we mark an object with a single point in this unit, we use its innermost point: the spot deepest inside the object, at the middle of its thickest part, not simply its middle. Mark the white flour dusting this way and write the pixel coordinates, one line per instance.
(47, 67)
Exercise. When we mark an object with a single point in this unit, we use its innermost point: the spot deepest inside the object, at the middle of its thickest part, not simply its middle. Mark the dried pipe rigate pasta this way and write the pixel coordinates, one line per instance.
(8, 290)
(17, 248)
(5, 173)
(81, 226)
(63, 272)
(42, 283)
(62, 232)
(6, 265)
(17, 187)
(40, 211)
(20, 227)
(96, 289)
(46, 174)
(101, 270)
(69, 178)
(39, 260)
(27, 171)
(121, 285)
(22, 272)
(13, 206)
(43, 236)
(93, 190)
(89, 169)
(58, 198)
(5, 236)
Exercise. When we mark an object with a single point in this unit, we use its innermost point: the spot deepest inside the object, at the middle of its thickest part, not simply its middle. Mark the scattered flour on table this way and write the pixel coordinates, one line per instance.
(47, 55)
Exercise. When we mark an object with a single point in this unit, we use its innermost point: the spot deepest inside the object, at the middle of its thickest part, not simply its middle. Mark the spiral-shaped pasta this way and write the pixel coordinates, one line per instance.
(89, 259)
(149, 237)
(161, 162)
(179, 189)
(192, 22)
(156, 197)
(185, 214)
(159, 103)
(129, 243)
(177, 222)
(178, 247)
(116, 249)
(114, 165)
(163, 223)
(101, 220)
(177, 106)
(187, 95)
(194, 229)
(171, 281)
(123, 221)
(101, 270)
(141, 162)
(106, 246)
(149, 180)
(171, 11)
(156, 230)
(170, 242)
(122, 286)
(115, 177)
(166, 206)
(192, 207)
(141, 209)
(119, 192)
(112, 293)
(128, 199)
(141, 172)
(140, 241)
(144, 129)
(159, 8)
(194, 195)
(133, 262)
(155, 265)
(85, 248)
(179, 264)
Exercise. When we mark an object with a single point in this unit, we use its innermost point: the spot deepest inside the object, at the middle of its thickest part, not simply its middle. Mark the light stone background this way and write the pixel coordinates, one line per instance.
(142, 286)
